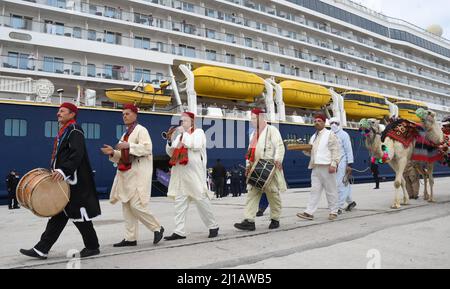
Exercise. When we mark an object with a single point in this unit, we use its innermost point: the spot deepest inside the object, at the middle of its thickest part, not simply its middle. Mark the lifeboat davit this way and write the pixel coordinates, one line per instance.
(407, 109)
(361, 104)
(304, 95)
(225, 83)
(148, 96)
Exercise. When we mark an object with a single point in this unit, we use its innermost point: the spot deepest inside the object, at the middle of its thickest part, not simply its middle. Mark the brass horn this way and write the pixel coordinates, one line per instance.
(167, 135)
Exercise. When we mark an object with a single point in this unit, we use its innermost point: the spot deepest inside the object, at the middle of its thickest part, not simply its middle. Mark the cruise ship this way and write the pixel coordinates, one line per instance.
(218, 58)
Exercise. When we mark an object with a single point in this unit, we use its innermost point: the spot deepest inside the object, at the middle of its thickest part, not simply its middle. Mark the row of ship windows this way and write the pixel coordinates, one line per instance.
(111, 37)
(118, 72)
(148, 19)
(19, 128)
(56, 65)
(359, 21)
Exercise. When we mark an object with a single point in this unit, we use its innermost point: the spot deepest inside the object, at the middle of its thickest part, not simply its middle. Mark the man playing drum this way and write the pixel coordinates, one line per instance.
(266, 144)
(70, 163)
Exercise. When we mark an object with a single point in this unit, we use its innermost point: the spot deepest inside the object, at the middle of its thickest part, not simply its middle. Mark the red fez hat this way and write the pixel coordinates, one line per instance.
(257, 111)
(320, 116)
(131, 107)
(190, 114)
(72, 107)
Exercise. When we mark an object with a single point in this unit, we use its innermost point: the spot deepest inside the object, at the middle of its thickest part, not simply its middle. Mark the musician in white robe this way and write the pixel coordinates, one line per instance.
(133, 182)
(188, 177)
(266, 143)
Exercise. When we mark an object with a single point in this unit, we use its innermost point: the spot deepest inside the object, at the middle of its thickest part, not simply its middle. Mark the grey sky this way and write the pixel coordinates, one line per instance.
(418, 12)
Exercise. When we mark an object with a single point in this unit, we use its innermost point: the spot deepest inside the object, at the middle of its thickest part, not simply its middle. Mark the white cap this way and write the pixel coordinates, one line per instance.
(335, 119)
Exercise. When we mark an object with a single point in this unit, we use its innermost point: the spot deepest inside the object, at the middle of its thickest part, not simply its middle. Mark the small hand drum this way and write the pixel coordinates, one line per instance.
(261, 174)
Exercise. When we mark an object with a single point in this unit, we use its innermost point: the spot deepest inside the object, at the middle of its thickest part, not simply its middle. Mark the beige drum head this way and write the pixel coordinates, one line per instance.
(23, 189)
(49, 198)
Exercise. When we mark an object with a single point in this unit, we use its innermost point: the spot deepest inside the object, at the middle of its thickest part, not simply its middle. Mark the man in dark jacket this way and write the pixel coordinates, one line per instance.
(70, 162)
(219, 173)
(12, 180)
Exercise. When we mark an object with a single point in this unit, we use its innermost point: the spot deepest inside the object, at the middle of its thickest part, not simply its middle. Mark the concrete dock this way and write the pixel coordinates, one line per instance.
(372, 236)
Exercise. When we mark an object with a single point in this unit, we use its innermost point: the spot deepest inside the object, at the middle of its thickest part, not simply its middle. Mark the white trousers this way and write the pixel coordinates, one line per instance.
(204, 209)
(134, 211)
(344, 191)
(322, 180)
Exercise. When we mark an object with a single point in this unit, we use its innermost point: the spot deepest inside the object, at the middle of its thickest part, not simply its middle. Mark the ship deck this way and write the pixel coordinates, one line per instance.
(415, 236)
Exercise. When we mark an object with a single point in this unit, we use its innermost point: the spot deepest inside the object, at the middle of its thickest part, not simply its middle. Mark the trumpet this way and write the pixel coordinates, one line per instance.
(167, 135)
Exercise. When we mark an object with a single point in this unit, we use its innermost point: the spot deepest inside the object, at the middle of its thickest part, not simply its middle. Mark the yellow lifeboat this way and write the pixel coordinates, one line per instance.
(148, 96)
(361, 104)
(304, 95)
(407, 109)
(225, 83)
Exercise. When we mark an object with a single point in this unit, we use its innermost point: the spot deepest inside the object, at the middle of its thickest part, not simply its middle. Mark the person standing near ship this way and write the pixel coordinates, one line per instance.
(266, 143)
(133, 182)
(188, 177)
(70, 162)
(325, 156)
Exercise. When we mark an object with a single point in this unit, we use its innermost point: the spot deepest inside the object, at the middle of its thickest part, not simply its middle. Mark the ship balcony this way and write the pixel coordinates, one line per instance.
(117, 13)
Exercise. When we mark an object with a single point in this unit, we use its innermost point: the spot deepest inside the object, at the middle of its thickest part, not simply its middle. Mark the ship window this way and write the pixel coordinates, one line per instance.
(21, 22)
(230, 38)
(51, 129)
(230, 58)
(188, 7)
(53, 64)
(15, 127)
(143, 74)
(249, 62)
(77, 32)
(17, 60)
(92, 35)
(91, 130)
(210, 33)
(57, 3)
(76, 68)
(120, 130)
(141, 42)
(91, 70)
(248, 42)
(211, 55)
(266, 65)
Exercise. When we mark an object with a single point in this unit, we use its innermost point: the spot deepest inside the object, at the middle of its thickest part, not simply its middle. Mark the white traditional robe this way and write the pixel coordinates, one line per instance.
(274, 151)
(190, 179)
(137, 180)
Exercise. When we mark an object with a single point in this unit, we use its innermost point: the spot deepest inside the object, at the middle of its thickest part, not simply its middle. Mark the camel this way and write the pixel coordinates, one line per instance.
(397, 156)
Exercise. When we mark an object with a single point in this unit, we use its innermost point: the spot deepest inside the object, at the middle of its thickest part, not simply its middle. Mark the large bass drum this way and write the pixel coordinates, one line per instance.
(261, 174)
(44, 197)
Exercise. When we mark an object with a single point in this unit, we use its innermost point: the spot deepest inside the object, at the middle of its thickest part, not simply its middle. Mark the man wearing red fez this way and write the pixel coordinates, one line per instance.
(133, 182)
(187, 151)
(266, 143)
(325, 156)
(70, 163)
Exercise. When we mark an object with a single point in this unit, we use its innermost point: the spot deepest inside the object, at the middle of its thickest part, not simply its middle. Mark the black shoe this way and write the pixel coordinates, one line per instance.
(16, 207)
(10, 208)
(88, 253)
(351, 206)
(376, 188)
(213, 233)
(339, 212)
(245, 226)
(125, 243)
(259, 213)
(158, 235)
(33, 254)
(274, 224)
(174, 236)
